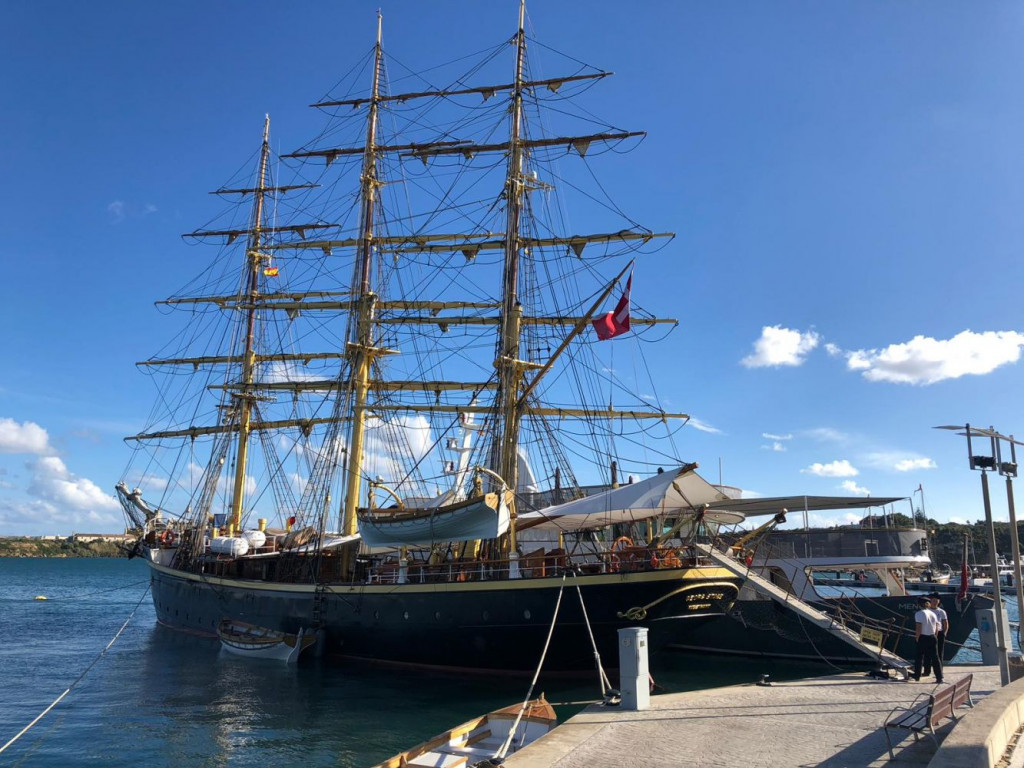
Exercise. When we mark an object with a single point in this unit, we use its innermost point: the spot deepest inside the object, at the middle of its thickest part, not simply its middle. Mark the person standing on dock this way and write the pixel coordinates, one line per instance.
(943, 617)
(927, 628)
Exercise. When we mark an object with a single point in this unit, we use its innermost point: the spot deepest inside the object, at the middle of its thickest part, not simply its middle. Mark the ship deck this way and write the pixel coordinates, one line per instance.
(828, 721)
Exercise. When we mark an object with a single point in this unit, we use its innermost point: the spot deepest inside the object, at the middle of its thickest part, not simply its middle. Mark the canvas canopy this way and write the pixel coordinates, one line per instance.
(775, 504)
(681, 491)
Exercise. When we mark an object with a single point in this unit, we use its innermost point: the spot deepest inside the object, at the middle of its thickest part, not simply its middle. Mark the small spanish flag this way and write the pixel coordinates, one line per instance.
(270, 271)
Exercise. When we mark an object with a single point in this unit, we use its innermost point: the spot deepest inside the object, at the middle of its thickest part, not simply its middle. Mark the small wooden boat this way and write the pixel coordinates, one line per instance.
(479, 740)
(262, 643)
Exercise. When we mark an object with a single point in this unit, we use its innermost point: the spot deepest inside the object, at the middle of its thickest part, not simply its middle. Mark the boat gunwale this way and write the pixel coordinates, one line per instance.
(697, 576)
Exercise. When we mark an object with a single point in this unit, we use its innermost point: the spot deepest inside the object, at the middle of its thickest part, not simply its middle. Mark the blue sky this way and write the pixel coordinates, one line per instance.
(845, 179)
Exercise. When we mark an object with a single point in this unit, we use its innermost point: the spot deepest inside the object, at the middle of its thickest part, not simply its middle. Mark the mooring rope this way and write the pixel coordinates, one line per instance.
(603, 678)
(500, 754)
(91, 594)
(92, 664)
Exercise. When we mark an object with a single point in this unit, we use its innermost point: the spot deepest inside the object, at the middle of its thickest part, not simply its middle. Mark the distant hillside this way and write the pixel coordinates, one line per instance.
(30, 547)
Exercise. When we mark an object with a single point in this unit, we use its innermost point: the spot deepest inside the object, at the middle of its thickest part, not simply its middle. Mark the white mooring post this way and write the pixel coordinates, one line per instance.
(634, 677)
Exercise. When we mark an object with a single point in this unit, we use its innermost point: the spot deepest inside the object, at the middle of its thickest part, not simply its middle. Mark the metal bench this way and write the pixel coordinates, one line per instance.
(928, 711)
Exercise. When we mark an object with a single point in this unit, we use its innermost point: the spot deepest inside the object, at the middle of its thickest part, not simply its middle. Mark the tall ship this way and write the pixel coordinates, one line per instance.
(392, 415)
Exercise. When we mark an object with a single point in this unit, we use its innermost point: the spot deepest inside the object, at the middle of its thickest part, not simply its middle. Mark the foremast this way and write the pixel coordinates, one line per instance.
(510, 368)
(244, 398)
(360, 349)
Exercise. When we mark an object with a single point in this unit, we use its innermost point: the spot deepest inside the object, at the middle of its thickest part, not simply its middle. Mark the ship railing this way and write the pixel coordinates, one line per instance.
(538, 564)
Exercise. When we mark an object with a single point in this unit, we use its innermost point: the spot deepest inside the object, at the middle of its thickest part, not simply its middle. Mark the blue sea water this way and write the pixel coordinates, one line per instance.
(162, 698)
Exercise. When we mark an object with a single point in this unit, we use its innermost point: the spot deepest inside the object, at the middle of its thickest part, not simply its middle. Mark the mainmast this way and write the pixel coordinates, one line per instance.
(360, 347)
(510, 368)
(243, 398)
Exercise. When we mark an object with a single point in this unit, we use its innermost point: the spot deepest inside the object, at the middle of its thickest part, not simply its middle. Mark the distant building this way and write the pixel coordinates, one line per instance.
(85, 538)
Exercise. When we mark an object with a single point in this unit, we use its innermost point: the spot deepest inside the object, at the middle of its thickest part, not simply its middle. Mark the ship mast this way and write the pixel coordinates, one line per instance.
(510, 368)
(244, 397)
(360, 348)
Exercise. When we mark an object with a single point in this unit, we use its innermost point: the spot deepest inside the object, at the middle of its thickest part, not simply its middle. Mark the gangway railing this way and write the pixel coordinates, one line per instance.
(803, 609)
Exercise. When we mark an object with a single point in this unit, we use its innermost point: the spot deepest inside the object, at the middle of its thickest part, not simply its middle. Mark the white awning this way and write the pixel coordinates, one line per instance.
(677, 492)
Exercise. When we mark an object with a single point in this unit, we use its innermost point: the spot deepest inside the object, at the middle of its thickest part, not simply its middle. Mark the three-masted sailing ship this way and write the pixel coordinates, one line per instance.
(366, 430)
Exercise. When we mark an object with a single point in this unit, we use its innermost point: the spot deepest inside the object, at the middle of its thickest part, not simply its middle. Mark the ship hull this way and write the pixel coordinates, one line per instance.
(765, 629)
(498, 626)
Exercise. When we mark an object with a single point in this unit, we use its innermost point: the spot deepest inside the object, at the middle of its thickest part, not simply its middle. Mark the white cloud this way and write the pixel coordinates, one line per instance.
(703, 426)
(27, 437)
(924, 360)
(52, 482)
(827, 434)
(117, 211)
(60, 503)
(775, 446)
(833, 350)
(819, 520)
(896, 461)
(770, 436)
(850, 486)
(839, 468)
(780, 346)
(907, 465)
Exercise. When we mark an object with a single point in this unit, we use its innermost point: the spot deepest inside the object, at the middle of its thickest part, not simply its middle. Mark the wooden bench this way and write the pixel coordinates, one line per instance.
(928, 711)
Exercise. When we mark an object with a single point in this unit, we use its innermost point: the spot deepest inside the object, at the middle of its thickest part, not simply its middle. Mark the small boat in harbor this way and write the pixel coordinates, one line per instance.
(481, 740)
(261, 643)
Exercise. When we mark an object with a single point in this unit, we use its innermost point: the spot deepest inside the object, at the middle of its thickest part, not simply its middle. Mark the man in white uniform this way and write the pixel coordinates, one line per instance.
(940, 637)
(925, 632)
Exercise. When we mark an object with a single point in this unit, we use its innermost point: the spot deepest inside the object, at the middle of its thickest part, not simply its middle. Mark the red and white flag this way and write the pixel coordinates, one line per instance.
(615, 323)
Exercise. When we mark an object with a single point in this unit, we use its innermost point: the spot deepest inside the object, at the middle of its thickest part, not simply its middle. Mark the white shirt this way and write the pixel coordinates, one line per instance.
(942, 616)
(928, 620)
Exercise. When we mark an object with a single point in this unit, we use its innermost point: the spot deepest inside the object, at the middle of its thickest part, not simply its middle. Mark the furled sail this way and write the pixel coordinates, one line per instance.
(482, 517)
(668, 493)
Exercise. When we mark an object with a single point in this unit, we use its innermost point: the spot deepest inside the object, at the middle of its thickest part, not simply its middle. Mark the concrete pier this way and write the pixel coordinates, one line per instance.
(831, 721)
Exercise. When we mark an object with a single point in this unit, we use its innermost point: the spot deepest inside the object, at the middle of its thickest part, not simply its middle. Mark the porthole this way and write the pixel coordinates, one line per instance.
(406, 615)
(437, 615)
(526, 613)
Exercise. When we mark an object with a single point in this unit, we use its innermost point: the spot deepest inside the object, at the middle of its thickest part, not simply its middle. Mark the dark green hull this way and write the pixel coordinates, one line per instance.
(479, 625)
(764, 628)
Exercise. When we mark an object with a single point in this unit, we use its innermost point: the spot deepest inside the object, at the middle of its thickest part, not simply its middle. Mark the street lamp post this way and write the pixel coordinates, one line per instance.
(1008, 469)
(985, 464)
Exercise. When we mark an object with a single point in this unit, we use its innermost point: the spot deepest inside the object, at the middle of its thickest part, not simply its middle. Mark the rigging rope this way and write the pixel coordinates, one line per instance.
(99, 656)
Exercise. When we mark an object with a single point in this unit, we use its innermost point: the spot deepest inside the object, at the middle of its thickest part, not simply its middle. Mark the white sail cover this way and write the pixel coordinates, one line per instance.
(461, 522)
(673, 493)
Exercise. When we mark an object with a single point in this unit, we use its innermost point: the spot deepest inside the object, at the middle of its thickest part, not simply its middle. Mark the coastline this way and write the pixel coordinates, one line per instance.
(28, 546)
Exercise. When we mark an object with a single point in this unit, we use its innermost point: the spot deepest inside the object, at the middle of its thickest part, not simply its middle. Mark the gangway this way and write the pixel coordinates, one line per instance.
(886, 659)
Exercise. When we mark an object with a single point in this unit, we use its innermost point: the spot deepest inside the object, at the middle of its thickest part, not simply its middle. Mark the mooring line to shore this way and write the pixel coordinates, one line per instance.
(92, 664)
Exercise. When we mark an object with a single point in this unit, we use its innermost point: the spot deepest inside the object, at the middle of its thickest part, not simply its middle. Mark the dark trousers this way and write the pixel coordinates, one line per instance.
(940, 646)
(925, 655)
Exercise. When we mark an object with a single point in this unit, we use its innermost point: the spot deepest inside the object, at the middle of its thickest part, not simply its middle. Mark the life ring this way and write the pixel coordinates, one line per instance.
(167, 538)
(620, 545)
(672, 560)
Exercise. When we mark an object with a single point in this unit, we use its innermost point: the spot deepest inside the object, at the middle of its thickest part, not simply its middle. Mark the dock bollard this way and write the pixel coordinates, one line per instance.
(634, 674)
